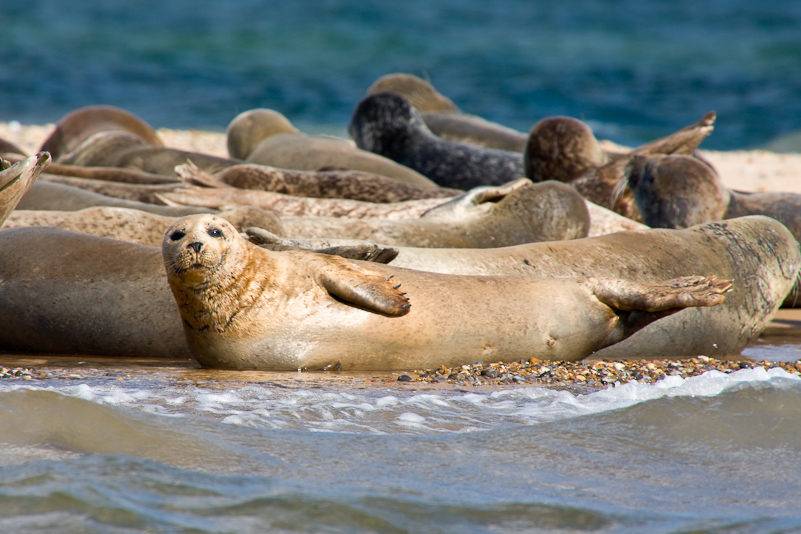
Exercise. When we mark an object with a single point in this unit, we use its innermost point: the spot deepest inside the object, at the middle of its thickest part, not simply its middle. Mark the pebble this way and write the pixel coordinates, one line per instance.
(596, 374)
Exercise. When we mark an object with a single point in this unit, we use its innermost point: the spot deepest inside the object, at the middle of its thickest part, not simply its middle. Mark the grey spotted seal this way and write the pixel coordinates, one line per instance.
(266, 137)
(17, 179)
(353, 185)
(444, 118)
(387, 124)
(244, 307)
(758, 253)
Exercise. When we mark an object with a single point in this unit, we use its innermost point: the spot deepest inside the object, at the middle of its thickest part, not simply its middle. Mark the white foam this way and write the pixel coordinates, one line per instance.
(373, 411)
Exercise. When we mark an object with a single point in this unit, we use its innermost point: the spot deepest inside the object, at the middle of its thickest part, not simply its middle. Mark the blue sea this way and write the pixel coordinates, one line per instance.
(137, 447)
(633, 69)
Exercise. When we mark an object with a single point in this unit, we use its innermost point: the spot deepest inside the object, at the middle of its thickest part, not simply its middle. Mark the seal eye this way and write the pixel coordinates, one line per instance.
(215, 232)
(176, 235)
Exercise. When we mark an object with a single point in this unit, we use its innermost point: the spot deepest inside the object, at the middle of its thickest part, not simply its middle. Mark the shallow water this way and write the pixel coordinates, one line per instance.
(167, 447)
(634, 70)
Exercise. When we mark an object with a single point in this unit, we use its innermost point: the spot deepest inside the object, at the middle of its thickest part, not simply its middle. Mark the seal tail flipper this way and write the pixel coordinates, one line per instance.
(191, 174)
(374, 293)
(684, 141)
(640, 304)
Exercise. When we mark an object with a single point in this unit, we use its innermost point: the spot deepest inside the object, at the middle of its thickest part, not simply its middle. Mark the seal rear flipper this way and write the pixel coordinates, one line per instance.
(355, 251)
(371, 292)
(640, 304)
(476, 196)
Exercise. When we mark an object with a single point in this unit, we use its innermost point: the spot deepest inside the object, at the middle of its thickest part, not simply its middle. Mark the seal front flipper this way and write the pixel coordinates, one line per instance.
(371, 292)
(639, 304)
(475, 197)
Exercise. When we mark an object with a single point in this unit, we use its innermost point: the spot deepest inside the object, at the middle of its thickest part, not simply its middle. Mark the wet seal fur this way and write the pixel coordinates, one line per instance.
(244, 307)
(387, 124)
(758, 253)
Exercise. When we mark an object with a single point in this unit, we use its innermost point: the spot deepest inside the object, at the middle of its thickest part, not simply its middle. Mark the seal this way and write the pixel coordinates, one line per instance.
(125, 150)
(77, 126)
(62, 197)
(680, 191)
(387, 124)
(488, 216)
(70, 293)
(565, 149)
(244, 307)
(353, 185)
(134, 226)
(266, 137)
(445, 119)
(519, 212)
(122, 190)
(17, 179)
(758, 253)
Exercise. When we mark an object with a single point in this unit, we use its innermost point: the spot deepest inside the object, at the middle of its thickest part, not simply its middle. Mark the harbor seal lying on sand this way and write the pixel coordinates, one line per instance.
(387, 124)
(680, 191)
(70, 293)
(17, 179)
(565, 149)
(244, 307)
(266, 137)
(520, 212)
(77, 126)
(353, 185)
(758, 253)
(62, 197)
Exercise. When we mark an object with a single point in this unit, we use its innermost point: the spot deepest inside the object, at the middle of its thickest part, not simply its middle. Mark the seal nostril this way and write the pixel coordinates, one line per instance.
(196, 246)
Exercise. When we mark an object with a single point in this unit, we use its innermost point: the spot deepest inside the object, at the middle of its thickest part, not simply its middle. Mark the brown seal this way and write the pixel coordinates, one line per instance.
(353, 185)
(125, 150)
(680, 191)
(565, 149)
(445, 119)
(266, 137)
(77, 126)
(132, 225)
(122, 190)
(758, 253)
(17, 179)
(244, 307)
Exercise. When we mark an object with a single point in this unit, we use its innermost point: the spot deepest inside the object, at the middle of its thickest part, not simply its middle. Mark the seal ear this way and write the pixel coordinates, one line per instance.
(371, 292)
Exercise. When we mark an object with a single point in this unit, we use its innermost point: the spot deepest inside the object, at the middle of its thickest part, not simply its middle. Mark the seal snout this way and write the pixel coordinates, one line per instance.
(196, 246)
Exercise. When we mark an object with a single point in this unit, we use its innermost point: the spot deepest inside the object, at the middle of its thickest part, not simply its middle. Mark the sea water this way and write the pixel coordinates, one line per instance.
(174, 451)
(634, 70)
